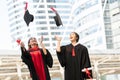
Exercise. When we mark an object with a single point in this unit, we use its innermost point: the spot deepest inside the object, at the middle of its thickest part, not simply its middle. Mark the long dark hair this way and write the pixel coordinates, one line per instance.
(29, 46)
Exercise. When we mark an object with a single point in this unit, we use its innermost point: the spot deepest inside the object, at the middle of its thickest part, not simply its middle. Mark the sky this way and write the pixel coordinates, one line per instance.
(4, 28)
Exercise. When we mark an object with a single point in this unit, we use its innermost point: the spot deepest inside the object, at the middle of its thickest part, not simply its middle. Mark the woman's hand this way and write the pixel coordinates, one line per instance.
(58, 43)
(42, 45)
(58, 38)
(22, 44)
(40, 39)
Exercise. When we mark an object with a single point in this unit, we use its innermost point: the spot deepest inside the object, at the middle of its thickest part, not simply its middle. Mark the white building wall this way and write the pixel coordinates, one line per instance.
(115, 21)
(89, 23)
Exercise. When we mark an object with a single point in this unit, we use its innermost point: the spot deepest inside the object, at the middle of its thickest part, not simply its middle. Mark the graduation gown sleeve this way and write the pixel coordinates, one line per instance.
(48, 58)
(86, 62)
(25, 56)
(61, 56)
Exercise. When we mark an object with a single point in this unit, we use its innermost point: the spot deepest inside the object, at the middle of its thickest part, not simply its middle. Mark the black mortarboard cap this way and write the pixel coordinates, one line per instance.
(28, 17)
(57, 19)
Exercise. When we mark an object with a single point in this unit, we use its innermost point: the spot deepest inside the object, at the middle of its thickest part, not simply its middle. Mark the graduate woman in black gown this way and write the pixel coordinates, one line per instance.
(73, 57)
(37, 59)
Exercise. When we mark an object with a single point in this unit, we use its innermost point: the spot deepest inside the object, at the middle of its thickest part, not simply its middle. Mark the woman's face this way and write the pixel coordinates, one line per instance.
(73, 37)
(33, 41)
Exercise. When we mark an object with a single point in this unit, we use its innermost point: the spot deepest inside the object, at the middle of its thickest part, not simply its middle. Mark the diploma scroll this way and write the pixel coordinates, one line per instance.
(84, 70)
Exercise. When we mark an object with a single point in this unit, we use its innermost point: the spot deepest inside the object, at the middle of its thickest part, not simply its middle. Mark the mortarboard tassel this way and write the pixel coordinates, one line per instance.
(26, 6)
(53, 10)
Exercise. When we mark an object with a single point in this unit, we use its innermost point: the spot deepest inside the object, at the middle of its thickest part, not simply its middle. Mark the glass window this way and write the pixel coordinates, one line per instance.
(50, 0)
(55, 33)
(107, 19)
(85, 6)
(45, 33)
(41, 22)
(52, 22)
(49, 6)
(41, 11)
(52, 28)
(109, 46)
(47, 44)
(99, 40)
(40, 17)
(46, 39)
(42, 28)
(50, 11)
(34, 6)
(94, 15)
(112, 1)
(35, 0)
(108, 32)
(41, 6)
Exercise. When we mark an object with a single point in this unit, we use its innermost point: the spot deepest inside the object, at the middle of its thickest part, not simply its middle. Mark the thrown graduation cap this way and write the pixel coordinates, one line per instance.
(28, 17)
(57, 17)
(58, 20)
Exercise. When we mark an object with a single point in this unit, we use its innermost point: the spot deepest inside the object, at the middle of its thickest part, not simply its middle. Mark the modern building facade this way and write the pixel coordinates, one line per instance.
(89, 23)
(97, 22)
(115, 22)
(107, 24)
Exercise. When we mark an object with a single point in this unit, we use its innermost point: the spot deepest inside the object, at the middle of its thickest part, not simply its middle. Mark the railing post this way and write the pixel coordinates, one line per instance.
(19, 71)
(0, 61)
(62, 72)
(96, 70)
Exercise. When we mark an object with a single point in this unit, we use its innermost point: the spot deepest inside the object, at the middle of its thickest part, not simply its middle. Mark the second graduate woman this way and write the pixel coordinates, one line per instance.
(73, 57)
(37, 59)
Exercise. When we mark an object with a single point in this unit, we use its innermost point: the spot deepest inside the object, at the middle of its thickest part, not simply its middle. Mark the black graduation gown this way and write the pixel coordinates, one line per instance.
(47, 61)
(73, 65)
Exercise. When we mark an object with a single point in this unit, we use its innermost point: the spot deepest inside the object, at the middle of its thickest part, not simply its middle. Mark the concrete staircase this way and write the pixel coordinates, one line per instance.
(12, 68)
